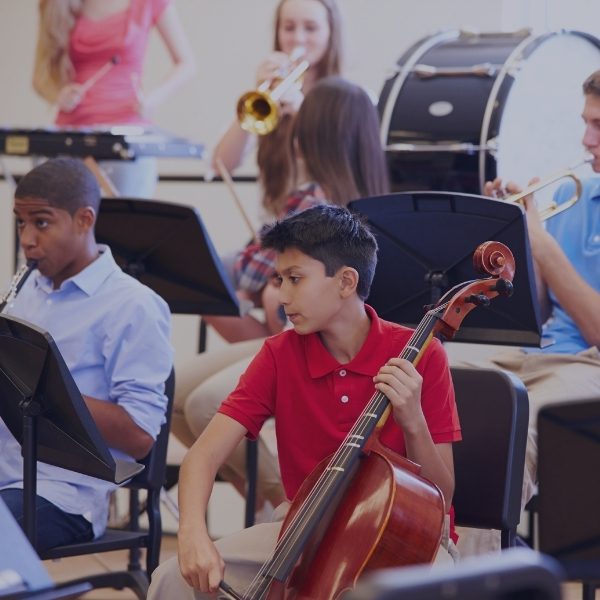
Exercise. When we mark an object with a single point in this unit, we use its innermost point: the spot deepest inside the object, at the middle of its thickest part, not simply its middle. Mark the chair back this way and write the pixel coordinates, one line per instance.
(493, 408)
(569, 486)
(132, 538)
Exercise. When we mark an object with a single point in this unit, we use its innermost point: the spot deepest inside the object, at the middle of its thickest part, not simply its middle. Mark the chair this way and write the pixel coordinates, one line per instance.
(569, 489)
(493, 408)
(133, 539)
(515, 574)
(490, 460)
(188, 376)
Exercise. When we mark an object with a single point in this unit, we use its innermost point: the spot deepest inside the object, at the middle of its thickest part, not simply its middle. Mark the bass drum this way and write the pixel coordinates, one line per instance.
(463, 108)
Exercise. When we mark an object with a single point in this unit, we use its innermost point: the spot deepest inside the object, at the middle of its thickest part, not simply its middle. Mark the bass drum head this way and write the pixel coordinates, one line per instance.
(522, 119)
(541, 126)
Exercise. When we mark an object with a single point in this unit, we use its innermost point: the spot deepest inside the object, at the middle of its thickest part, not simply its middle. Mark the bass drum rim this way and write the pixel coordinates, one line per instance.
(521, 52)
(482, 149)
(421, 47)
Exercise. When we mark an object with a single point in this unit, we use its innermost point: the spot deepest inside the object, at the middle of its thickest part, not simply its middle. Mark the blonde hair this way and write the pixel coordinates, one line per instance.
(53, 67)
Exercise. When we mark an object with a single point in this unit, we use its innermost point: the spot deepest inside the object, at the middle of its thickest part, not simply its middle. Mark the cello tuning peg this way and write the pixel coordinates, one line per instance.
(478, 299)
(503, 287)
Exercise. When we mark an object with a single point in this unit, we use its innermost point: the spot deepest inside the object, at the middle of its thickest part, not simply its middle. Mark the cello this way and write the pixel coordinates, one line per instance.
(367, 507)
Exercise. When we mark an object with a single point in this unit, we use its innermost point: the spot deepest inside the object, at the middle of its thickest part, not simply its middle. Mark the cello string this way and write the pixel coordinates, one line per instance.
(377, 402)
(373, 406)
(307, 508)
(324, 483)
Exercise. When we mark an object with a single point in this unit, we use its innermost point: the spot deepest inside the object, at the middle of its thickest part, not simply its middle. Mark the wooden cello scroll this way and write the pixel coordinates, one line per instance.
(366, 507)
(490, 258)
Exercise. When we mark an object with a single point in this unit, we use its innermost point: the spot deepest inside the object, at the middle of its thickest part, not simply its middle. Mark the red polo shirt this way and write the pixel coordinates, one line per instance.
(315, 400)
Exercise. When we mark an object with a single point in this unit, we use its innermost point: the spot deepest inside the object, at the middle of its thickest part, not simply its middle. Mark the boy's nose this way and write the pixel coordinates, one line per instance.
(27, 237)
(591, 138)
(283, 296)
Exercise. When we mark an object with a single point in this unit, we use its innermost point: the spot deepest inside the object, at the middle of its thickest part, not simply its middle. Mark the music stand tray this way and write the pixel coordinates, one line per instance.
(426, 243)
(46, 413)
(166, 247)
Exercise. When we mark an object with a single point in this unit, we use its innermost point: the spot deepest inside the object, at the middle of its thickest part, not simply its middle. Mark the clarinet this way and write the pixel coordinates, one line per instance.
(16, 283)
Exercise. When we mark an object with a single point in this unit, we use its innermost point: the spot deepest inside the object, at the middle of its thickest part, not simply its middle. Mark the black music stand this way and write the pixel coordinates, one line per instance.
(45, 412)
(166, 247)
(426, 244)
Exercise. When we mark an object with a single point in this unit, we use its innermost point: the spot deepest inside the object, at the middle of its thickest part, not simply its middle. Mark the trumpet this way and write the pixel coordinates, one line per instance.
(552, 209)
(16, 283)
(258, 110)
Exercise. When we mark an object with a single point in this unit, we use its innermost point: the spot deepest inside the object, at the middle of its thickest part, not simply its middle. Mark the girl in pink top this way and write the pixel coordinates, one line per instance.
(90, 55)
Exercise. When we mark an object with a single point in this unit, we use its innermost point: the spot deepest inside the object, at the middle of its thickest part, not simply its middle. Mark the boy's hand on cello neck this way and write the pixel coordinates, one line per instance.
(401, 383)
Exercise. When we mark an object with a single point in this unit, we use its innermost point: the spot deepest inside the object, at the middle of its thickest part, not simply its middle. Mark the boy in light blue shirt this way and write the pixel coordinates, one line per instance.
(112, 331)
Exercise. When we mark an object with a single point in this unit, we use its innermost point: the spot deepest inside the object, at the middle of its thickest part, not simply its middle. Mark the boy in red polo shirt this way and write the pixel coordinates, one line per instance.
(315, 380)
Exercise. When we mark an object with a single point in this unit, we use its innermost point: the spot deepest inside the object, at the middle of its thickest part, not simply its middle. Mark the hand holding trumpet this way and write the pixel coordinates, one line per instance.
(275, 68)
(494, 189)
(513, 192)
(279, 92)
(535, 228)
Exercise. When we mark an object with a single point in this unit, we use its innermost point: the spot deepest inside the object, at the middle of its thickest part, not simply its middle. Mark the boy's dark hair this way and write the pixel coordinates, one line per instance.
(591, 86)
(332, 235)
(64, 182)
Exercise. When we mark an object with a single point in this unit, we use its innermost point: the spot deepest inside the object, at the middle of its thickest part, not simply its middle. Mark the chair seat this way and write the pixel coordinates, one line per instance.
(113, 539)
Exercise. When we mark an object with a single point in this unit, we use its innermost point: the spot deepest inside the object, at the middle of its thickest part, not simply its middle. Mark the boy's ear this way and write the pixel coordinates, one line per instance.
(85, 217)
(348, 281)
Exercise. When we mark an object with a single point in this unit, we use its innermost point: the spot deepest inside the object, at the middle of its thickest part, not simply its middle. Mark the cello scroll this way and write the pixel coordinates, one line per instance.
(491, 258)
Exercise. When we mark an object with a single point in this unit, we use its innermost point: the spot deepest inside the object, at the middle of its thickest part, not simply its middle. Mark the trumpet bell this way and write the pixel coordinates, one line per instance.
(257, 112)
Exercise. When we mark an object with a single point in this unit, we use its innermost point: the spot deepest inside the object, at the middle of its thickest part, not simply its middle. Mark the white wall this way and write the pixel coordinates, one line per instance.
(229, 37)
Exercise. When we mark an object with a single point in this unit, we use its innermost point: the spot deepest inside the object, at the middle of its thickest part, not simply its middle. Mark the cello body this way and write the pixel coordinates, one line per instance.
(388, 516)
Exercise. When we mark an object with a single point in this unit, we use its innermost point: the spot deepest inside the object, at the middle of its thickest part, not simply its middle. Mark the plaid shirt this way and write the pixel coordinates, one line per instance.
(254, 266)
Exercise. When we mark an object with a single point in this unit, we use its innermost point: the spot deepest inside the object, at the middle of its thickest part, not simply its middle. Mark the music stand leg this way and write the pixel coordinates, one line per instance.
(29, 449)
